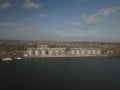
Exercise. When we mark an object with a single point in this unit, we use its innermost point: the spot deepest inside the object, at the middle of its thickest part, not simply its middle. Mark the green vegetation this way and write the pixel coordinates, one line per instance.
(12, 49)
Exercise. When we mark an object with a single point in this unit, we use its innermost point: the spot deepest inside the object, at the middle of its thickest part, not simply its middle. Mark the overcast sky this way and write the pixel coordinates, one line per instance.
(66, 20)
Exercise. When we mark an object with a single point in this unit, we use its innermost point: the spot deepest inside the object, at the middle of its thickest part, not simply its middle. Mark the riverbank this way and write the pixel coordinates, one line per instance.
(48, 56)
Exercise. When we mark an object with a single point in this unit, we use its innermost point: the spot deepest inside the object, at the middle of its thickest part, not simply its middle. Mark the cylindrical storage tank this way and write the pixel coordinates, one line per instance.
(30, 52)
(83, 52)
(62, 52)
(94, 52)
(43, 52)
(72, 52)
(36, 52)
(56, 52)
(99, 52)
(33, 52)
(89, 52)
(39, 51)
(50, 52)
(78, 52)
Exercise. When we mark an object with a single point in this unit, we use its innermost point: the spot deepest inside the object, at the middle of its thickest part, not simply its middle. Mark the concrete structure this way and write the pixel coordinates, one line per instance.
(43, 50)
(85, 51)
(56, 51)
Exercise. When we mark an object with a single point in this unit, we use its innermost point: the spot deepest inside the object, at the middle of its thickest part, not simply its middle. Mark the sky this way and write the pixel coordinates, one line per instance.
(60, 20)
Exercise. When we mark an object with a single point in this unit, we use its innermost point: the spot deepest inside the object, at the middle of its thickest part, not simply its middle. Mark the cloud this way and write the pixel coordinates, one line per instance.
(27, 30)
(5, 5)
(83, 16)
(30, 4)
(74, 24)
(92, 20)
(108, 11)
(99, 16)
(27, 19)
(42, 15)
(8, 24)
(115, 23)
(30, 33)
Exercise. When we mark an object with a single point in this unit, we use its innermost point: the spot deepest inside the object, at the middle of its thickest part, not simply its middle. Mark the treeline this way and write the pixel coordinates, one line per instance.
(17, 48)
(115, 52)
(12, 49)
(12, 46)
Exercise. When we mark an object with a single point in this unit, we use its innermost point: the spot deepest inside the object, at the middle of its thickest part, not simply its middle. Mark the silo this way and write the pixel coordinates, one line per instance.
(30, 52)
(78, 52)
(43, 52)
(72, 52)
(36, 52)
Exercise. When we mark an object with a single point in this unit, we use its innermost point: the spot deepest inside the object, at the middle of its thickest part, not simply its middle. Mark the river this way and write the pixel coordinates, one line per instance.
(85, 73)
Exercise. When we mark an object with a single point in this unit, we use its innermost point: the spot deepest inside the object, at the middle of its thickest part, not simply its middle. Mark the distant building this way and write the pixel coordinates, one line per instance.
(43, 50)
(85, 51)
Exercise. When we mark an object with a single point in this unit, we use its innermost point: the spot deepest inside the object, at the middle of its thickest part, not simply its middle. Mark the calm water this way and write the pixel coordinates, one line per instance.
(61, 74)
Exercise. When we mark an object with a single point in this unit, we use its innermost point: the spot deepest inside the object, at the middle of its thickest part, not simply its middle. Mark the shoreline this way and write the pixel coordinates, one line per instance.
(67, 56)
(64, 56)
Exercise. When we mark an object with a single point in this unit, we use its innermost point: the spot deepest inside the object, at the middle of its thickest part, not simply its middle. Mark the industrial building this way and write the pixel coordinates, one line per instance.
(44, 51)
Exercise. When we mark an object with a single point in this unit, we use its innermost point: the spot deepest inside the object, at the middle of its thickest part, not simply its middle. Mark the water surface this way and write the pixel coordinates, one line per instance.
(86, 73)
